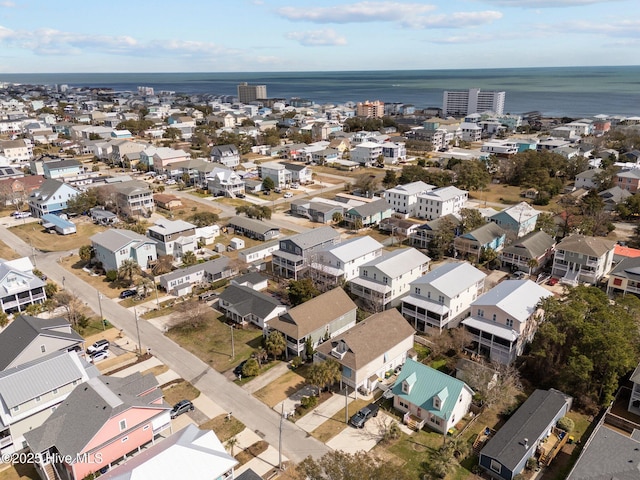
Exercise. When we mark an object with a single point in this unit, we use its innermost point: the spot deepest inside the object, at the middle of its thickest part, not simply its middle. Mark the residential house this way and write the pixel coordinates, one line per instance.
(101, 422)
(441, 201)
(163, 157)
(277, 172)
(181, 281)
(131, 197)
(339, 263)
(173, 237)
(588, 179)
(252, 228)
(252, 280)
(227, 155)
(294, 254)
(315, 321)
(19, 287)
(394, 152)
(634, 398)
(506, 453)
(425, 233)
(367, 153)
(368, 214)
(225, 182)
(259, 252)
(51, 197)
(473, 243)
(613, 196)
(582, 259)
(628, 179)
(382, 282)
(442, 297)
(62, 168)
(114, 246)
(520, 219)
(190, 453)
(300, 173)
(31, 391)
(404, 198)
(243, 305)
(167, 201)
(398, 227)
(29, 338)
(15, 191)
(505, 319)
(520, 255)
(625, 277)
(367, 351)
(16, 151)
(428, 397)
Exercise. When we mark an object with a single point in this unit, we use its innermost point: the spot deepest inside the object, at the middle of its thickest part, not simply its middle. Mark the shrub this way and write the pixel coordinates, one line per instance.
(251, 368)
(112, 275)
(296, 362)
(309, 402)
(566, 424)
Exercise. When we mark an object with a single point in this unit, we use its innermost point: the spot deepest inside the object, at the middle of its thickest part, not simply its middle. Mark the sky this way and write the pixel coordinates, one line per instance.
(87, 36)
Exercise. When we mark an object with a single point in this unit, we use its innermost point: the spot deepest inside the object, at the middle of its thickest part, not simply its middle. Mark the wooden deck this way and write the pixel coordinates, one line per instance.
(482, 438)
(552, 445)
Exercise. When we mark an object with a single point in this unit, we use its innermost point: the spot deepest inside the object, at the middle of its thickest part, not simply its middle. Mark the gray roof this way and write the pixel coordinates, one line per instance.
(25, 329)
(37, 377)
(615, 194)
(168, 227)
(253, 225)
(451, 278)
(589, 174)
(628, 268)
(115, 238)
(246, 300)
(353, 248)
(531, 245)
(485, 234)
(49, 187)
(608, 455)
(62, 164)
(584, 245)
(315, 237)
(517, 298)
(87, 409)
(130, 187)
(371, 208)
(529, 421)
(216, 265)
(249, 475)
(251, 277)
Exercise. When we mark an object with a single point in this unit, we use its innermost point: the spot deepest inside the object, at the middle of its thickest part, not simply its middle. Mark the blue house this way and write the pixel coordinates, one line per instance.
(61, 168)
(520, 218)
(428, 397)
(506, 453)
(51, 197)
(370, 214)
(473, 243)
(59, 224)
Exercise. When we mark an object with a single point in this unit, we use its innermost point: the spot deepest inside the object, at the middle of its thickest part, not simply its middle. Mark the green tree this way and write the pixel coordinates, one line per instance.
(337, 218)
(442, 241)
(309, 351)
(146, 284)
(471, 175)
(232, 442)
(268, 183)
(315, 376)
(50, 289)
(189, 258)
(171, 133)
(251, 368)
(83, 202)
(332, 372)
(4, 319)
(163, 265)
(357, 224)
(128, 269)
(275, 344)
(300, 291)
(546, 223)
(390, 179)
(85, 252)
(203, 219)
(366, 183)
(471, 219)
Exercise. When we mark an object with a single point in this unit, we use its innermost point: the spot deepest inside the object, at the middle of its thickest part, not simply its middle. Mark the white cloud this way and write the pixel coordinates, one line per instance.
(619, 28)
(547, 3)
(318, 38)
(460, 39)
(8, 4)
(455, 20)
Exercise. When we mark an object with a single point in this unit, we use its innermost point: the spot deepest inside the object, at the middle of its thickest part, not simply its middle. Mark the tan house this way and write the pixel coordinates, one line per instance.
(166, 201)
(367, 351)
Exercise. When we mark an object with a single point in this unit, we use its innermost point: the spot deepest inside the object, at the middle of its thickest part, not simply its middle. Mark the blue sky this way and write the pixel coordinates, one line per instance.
(38, 36)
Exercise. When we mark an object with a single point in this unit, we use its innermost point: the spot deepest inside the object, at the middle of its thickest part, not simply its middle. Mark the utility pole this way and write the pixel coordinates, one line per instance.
(101, 315)
(346, 404)
(138, 332)
(156, 289)
(233, 347)
(280, 438)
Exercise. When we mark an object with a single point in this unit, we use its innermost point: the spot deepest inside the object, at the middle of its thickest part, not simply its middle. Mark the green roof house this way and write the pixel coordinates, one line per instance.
(430, 397)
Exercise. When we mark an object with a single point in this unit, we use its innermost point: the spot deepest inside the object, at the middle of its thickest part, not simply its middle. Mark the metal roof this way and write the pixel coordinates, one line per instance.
(492, 328)
(356, 247)
(517, 298)
(398, 262)
(451, 278)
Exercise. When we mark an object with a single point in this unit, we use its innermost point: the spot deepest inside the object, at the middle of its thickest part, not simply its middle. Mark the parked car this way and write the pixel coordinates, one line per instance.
(99, 346)
(364, 414)
(552, 281)
(128, 293)
(99, 356)
(240, 195)
(267, 192)
(171, 181)
(277, 190)
(288, 195)
(207, 296)
(183, 406)
(520, 275)
(295, 185)
(21, 214)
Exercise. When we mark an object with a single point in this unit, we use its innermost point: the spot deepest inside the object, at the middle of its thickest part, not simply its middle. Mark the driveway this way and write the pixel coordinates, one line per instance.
(352, 440)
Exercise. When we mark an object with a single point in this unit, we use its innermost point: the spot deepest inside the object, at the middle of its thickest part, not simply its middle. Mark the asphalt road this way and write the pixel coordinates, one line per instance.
(296, 443)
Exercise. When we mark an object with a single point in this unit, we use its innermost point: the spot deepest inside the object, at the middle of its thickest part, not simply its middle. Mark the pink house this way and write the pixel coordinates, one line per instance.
(102, 422)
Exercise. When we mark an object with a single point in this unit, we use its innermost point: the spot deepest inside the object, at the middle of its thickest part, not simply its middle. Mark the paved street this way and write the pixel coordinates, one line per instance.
(265, 422)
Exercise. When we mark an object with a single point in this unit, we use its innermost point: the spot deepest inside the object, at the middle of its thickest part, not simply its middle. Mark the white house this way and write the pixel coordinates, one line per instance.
(442, 297)
(277, 172)
(114, 246)
(334, 264)
(173, 237)
(367, 153)
(394, 152)
(404, 198)
(441, 201)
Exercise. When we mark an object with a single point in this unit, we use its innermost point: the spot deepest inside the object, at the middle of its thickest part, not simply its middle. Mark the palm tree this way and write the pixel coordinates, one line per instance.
(231, 443)
(275, 344)
(128, 269)
(332, 372)
(189, 258)
(163, 265)
(532, 263)
(146, 284)
(337, 218)
(85, 252)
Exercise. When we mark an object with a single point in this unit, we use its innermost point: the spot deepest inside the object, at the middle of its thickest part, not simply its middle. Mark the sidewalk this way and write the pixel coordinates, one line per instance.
(322, 413)
(138, 367)
(266, 378)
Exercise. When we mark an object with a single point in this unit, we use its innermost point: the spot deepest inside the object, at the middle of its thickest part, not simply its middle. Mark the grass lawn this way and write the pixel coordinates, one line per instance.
(212, 342)
(320, 169)
(189, 207)
(252, 452)
(280, 388)
(232, 202)
(182, 390)
(336, 424)
(47, 242)
(73, 264)
(7, 252)
(20, 472)
(224, 428)
(157, 370)
(163, 311)
(509, 195)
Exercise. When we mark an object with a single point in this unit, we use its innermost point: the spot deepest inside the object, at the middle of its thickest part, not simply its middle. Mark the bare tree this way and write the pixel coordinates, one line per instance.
(191, 314)
(74, 308)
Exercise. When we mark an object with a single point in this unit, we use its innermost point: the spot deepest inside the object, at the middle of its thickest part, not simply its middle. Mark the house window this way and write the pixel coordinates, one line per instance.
(124, 439)
(403, 405)
(43, 348)
(440, 298)
(123, 425)
(495, 466)
(365, 273)
(480, 312)
(55, 391)
(509, 322)
(417, 291)
(493, 317)
(16, 408)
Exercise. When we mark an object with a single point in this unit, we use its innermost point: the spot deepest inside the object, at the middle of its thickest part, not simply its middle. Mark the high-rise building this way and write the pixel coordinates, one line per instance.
(250, 93)
(458, 103)
(370, 109)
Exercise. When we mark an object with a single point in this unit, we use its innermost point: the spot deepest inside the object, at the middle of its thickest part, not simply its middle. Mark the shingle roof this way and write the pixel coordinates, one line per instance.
(25, 329)
(371, 208)
(314, 237)
(628, 268)
(484, 234)
(451, 278)
(520, 212)
(529, 421)
(592, 246)
(246, 300)
(167, 227)
(531, 245)
(87, 409)
(370, 338)
(114, 239)
(258, 226)
(313, 314)
(356, 247)
(48, 188)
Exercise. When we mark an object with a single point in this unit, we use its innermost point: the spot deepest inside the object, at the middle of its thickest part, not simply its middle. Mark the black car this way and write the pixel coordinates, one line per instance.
(183, 406)
(240, 195)
(238, 370)
(128, 293)
(267, 192)
(364, 414)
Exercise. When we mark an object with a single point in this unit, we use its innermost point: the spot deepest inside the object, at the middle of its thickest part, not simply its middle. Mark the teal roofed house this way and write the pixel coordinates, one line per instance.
(428, 397)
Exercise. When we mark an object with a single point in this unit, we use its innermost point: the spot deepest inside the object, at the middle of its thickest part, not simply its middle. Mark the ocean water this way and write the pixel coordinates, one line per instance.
(564, 91)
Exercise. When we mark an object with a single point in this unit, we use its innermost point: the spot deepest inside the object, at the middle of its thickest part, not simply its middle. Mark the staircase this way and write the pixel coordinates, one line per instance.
(50, 472)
